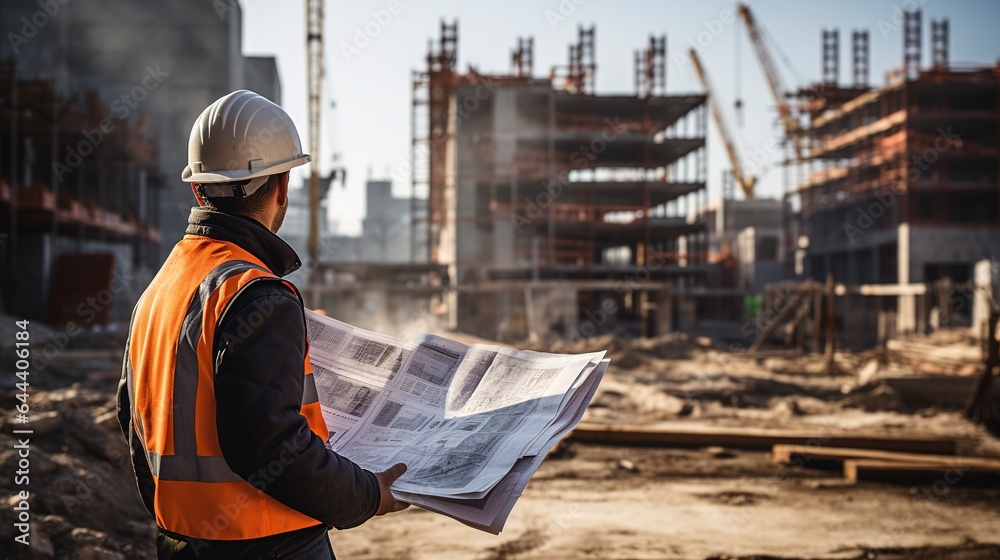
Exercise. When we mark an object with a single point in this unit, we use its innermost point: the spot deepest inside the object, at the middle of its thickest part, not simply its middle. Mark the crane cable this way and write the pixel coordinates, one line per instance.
(738, 94)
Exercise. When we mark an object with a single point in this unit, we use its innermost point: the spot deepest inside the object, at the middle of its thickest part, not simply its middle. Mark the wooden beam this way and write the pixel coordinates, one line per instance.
(831, 322)
(796, 321)
(908, 473)
(821, 455)
(769, 328)
(752, 438)
(892, 289)
(817, 324)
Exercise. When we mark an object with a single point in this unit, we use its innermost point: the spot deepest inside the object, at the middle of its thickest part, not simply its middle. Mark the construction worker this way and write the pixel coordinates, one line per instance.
(217, 399)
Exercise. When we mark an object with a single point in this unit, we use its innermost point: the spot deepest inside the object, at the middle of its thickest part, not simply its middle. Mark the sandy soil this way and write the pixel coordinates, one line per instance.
(693, 504)
(626, 502)
(588, 501)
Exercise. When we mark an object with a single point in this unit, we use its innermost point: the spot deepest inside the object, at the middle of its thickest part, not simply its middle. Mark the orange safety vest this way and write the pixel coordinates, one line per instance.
(171, 381)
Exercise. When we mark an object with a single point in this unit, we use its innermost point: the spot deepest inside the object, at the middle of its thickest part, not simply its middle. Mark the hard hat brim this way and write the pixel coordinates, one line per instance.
(188, 175)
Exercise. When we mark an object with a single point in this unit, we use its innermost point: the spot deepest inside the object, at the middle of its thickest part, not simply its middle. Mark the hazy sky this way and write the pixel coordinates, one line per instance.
(369, 126)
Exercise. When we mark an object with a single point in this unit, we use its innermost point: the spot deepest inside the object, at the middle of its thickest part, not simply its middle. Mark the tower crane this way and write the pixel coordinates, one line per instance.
(314, 63)
(793, 128)
(745, 182)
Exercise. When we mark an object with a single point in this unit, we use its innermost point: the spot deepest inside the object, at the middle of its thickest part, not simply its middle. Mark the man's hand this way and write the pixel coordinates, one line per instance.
(388, 503)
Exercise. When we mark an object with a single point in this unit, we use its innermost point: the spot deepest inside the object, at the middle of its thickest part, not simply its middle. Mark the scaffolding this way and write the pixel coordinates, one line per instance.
(651, 68)
(71, 171)
(534, 180)
(522, 58)
(922, 150)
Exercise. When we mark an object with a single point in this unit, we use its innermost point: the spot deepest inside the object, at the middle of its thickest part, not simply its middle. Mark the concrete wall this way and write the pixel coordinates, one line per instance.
(735, 215)
(737, 226)
(261, 75)
(921, 246)
(485, 145)
(946, 245)
(758, 257)
(386, 230)
(36, 255)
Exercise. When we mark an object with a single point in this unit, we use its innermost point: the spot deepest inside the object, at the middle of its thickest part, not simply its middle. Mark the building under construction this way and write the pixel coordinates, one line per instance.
(556, 209)
(78, 204)
(96, 104)
(898, 184)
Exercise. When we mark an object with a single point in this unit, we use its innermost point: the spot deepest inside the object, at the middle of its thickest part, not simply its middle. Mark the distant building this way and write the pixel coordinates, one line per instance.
(77, 207)
(901, 182)
(145, 69)
(261, 76)
(547, 201)
(745, 239)
(386, 232)
(381, 280)
(295, 230)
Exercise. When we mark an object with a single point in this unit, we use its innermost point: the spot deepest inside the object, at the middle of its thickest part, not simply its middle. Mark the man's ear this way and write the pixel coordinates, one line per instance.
(283, 189)
(194, 189)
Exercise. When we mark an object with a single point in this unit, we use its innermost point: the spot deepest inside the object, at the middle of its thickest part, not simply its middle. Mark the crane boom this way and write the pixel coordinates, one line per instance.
(314, 54)
(746, 183)
(773, 77)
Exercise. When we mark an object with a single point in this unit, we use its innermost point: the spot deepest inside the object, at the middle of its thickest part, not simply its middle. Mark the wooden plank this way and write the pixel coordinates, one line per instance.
(856, 470)
(769, 328)
(831, 322)
(892, 289)
(835, 456)
(752, 438)
(797, 320)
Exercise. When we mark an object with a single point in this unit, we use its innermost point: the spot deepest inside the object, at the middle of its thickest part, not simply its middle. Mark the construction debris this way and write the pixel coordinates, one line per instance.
(83, 502)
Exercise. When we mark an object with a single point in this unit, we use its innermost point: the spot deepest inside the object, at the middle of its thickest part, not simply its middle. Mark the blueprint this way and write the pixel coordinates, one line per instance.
(471, 423)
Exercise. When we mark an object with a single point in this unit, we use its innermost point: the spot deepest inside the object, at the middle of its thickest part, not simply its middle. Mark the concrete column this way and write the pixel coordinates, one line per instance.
(875, 264)
(906, 315)
(853, 270)
(986, 279)
(664, 312)
(450, 298)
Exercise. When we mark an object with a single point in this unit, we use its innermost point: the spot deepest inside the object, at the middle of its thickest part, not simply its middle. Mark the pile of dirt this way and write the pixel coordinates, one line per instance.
(677, 378)
(82, 496)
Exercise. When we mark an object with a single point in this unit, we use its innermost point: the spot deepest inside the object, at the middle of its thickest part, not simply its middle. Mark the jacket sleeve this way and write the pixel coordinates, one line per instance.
(136, 448)
(260, 352)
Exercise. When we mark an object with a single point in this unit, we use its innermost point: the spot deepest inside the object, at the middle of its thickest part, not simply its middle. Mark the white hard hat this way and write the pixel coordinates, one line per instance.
(237, 142)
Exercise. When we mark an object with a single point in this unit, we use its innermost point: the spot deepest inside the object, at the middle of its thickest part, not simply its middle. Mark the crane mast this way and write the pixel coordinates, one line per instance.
(314, 58)
(746, 183)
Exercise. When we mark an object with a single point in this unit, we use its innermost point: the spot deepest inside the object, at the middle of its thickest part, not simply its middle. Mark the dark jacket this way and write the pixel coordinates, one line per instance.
(257, 383)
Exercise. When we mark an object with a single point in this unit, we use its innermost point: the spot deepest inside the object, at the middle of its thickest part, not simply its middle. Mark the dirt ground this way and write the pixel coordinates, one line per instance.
(693, 504)
(627, 502)
(591, 501)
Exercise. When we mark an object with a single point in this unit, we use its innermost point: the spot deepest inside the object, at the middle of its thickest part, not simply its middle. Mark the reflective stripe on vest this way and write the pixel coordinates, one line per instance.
(170, 373)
